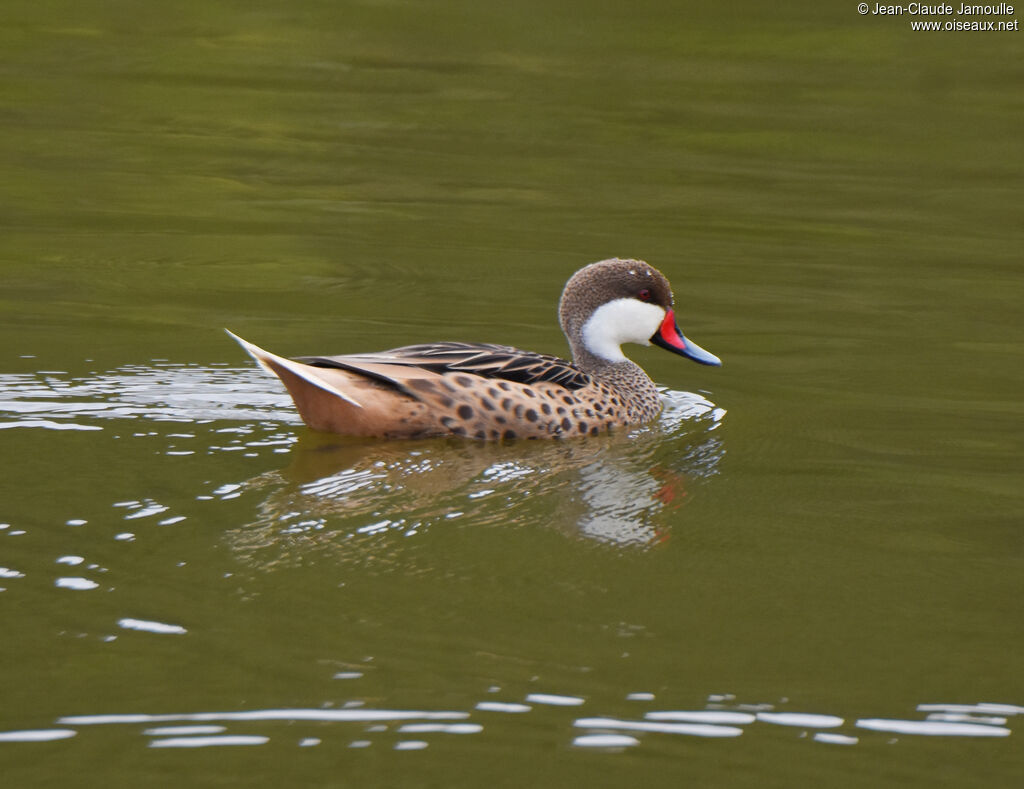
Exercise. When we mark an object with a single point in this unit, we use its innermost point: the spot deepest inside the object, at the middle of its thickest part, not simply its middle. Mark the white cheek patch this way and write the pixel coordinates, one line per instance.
(619, 321)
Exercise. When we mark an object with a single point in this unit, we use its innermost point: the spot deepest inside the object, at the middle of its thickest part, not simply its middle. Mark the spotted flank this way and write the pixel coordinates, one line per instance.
(495, 392)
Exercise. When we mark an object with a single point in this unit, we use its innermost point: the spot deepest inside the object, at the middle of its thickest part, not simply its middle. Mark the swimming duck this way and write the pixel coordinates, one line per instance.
(485, 391)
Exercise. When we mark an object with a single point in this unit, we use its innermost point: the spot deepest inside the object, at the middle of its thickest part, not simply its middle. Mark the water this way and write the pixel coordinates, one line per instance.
(807, 572)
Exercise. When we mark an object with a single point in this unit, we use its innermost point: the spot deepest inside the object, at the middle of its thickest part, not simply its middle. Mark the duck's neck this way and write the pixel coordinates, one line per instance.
(598, 366)
(627, 378)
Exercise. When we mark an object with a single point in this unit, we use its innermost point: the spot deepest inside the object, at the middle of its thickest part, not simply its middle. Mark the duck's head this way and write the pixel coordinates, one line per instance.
(616, 301)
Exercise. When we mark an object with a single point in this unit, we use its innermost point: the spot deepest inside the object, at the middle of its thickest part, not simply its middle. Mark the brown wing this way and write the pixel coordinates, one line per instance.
(485, 360)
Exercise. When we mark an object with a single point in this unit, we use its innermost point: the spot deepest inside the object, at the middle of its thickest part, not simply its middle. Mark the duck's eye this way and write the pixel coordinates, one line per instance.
(644, 295)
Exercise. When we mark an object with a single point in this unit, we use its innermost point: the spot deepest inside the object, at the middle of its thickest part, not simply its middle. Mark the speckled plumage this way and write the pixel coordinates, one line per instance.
(496, 392)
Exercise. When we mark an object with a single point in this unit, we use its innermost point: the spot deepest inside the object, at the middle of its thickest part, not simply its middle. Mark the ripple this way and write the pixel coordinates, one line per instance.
(150, 627)
(835, 739)
(692, 729)
(206, 742)
(608, 733)
(146, 511)
(702, 716)
(180, 731)
(76, 583)
(48, 424)
(503, 706)
(37, 735)
(984, 708)
(804, 719)
(301, 714)
(955, 717)
(605, 741)
(555, 700)
(933, 728)
(161, 392)
(447, 728)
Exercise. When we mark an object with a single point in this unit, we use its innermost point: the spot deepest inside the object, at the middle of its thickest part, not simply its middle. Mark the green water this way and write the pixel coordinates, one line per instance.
(830, 524)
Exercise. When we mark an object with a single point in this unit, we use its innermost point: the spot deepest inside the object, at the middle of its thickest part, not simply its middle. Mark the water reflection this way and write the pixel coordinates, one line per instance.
(616, 489)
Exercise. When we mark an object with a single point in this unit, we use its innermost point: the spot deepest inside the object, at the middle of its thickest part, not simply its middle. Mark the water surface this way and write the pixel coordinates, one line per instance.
(807, 572)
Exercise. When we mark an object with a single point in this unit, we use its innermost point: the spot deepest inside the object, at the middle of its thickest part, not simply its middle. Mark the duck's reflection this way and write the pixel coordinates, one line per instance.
(619, 488)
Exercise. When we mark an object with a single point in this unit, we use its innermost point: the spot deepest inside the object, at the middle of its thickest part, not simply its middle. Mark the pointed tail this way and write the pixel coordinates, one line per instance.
(271, 363)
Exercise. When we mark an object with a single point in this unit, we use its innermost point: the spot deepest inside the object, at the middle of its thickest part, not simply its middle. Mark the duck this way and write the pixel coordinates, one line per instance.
(497, 392)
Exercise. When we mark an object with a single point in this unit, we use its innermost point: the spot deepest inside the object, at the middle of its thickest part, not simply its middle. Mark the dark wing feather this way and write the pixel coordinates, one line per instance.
(483, 359)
